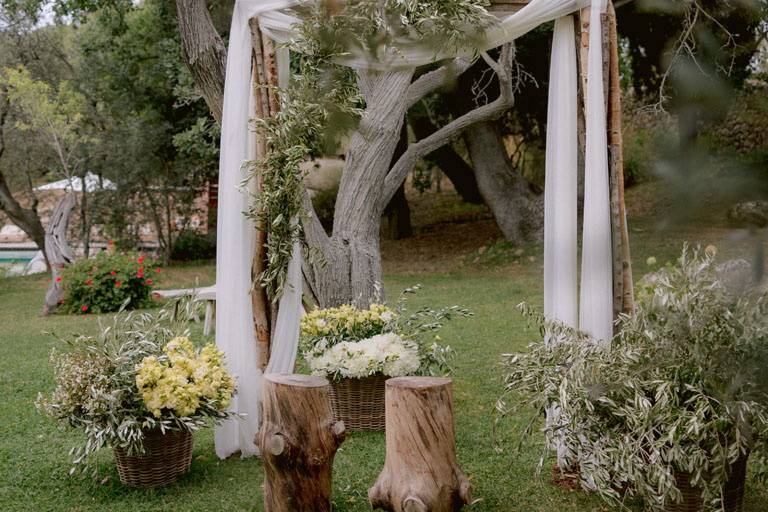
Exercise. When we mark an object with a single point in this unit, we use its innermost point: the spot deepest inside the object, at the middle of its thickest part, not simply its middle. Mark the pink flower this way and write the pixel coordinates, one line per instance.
(88, 282)
(118, 284)
(58, 279)
(114, 273)
(84, 309)
(158, 270)
(148, 282)
(140, 260)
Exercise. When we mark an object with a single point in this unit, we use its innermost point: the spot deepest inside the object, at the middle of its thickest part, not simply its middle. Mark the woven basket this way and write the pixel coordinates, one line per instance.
(167, 456)
(733, 493)
(359, 403)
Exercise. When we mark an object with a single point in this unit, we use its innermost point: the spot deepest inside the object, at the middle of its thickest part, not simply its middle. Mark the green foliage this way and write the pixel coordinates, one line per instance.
(98, 379)
(192, 246)
(107, 281)
(681, 388)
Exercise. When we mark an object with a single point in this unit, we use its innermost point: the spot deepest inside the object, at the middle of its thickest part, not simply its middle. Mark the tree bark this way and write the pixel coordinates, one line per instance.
(421, 472)
(451, 163)
(623, 284)
(203, 51)
(298, 440)
(518, 213)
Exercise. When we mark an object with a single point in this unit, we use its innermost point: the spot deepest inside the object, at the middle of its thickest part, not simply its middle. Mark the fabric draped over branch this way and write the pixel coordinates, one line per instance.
(236, 233)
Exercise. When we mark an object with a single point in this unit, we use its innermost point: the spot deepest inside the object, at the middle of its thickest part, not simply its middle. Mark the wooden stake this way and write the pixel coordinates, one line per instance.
(263, 315)
(298, 440)
(623, 284)
(421, 472)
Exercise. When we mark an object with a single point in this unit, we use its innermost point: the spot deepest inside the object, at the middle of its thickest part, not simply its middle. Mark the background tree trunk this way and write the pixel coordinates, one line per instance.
(397, 212)
(518, 213)
(298, 440)
(203, 51)
(457, 170)
(27, 219)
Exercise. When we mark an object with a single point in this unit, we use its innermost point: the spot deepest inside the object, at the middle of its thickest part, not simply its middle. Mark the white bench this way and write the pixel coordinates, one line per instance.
(207, 294)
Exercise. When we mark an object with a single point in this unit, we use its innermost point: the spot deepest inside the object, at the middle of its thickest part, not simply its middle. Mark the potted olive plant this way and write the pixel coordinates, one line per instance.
(141, 388)
(670, 409)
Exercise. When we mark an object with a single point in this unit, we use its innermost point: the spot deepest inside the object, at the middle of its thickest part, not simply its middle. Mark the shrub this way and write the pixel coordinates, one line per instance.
(680, 389)
(103, 283)
(192, 246)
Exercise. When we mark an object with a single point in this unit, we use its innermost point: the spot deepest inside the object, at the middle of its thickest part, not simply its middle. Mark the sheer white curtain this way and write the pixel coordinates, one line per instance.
(236, 235)
(560, 194)
(596, 309)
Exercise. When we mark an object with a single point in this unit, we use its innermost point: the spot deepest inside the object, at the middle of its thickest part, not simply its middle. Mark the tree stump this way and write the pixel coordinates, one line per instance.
(298, 439)
(421, 472)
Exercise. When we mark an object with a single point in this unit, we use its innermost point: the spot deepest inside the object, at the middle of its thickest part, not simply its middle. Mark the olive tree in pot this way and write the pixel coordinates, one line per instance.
(669, 411)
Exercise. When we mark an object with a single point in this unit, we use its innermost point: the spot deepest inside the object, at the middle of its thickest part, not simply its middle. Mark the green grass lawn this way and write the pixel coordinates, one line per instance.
(33, 451)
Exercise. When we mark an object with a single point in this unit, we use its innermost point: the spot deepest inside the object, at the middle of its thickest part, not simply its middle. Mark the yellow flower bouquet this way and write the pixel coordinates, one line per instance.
(142, 388)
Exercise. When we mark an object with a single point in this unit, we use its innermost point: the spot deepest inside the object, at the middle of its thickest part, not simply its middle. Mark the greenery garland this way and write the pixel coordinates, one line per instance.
(323, 100)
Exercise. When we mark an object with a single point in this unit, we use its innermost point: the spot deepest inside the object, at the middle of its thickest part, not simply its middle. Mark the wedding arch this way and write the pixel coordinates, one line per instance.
(583, 131)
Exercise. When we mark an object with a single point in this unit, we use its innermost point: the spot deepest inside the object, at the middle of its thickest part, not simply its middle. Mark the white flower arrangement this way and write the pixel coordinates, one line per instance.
(386, 354)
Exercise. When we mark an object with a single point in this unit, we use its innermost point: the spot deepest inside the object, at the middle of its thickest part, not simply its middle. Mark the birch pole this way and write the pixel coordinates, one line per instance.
(622, 271)
(264, 76)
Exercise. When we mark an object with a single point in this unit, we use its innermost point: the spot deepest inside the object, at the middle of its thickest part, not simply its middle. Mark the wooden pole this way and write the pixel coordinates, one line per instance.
(264, 314)
(298, 440)
(623, 290)
(623, 284)
(420, 472)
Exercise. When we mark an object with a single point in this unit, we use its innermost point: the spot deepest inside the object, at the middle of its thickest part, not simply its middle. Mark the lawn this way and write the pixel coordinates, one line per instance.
(490, 280)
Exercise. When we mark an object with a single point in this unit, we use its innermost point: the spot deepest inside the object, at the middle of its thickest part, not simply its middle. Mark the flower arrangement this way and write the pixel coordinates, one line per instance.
(680, 390)
(138, 375)
(387, 354)
(352, 342)
(104, 283)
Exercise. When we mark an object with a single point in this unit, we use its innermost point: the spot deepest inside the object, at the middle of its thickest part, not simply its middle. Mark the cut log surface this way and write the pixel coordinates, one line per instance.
(421, 472)
(298, 440)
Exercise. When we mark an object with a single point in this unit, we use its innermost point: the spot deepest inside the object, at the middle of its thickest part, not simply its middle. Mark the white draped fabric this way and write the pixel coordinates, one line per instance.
(236, 237)
(236, 233)
(596, 307)
(560, 194)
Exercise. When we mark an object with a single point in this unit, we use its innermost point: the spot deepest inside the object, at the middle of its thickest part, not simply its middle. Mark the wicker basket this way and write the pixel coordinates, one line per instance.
(167, 456)
(733, 491)
(359, 403)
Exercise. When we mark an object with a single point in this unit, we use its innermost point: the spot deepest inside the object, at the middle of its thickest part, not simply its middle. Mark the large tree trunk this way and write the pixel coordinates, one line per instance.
(350, 272)
(59, 253)
(298, 440)
(204, 52)
(518, 213)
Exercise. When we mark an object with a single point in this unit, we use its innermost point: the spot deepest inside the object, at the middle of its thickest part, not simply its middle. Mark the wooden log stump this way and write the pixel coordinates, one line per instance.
(421, 472)
(298, 439)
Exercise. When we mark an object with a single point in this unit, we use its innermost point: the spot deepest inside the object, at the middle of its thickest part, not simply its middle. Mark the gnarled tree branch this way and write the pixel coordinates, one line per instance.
(433, 80)
(405, 163)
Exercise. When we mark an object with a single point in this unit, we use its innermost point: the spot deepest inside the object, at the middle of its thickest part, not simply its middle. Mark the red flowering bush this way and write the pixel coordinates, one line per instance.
(103, 283)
